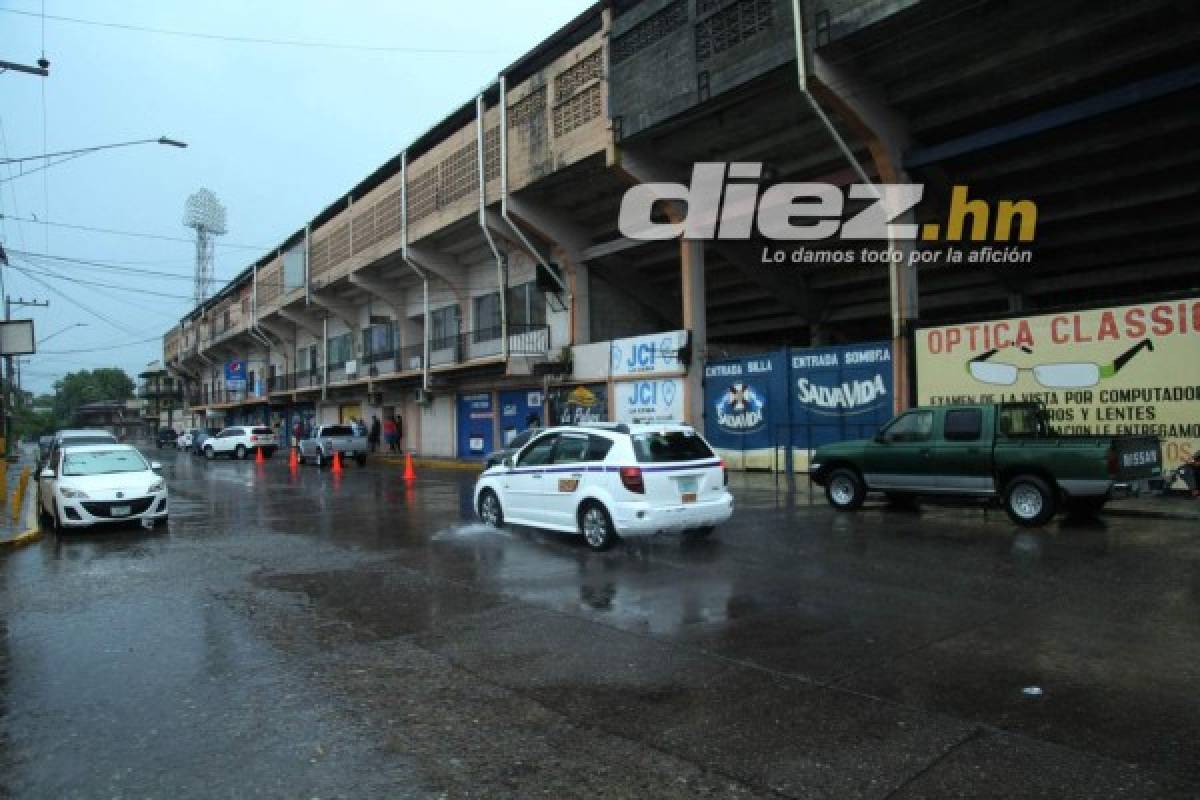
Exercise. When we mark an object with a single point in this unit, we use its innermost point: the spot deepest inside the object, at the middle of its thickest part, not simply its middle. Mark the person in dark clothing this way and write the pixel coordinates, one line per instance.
(373, 435)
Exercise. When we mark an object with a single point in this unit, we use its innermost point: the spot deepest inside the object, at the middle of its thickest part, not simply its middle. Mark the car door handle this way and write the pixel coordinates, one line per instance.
(536, 475)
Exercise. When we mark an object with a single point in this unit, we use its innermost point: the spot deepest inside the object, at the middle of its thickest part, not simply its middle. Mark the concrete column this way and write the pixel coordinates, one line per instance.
(691, 257)
(581, 310)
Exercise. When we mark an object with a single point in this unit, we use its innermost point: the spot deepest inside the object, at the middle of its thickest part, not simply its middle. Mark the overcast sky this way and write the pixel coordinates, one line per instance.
(277, 132)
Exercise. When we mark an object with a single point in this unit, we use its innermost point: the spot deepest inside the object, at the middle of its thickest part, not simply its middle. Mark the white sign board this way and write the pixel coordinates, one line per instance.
(16, 338)
(658, 400)
(652, 354)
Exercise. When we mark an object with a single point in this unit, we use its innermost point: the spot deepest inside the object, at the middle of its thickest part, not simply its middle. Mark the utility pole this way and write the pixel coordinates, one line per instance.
(9, 396)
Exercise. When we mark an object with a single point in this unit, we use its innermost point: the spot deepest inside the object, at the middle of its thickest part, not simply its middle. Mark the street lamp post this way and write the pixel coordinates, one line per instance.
(69, 155)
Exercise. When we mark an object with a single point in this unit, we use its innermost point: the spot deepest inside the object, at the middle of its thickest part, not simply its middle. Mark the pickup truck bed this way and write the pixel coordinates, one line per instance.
(327, 440)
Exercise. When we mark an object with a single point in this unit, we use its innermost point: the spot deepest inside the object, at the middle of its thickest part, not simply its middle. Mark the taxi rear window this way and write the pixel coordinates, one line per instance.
(657, 448)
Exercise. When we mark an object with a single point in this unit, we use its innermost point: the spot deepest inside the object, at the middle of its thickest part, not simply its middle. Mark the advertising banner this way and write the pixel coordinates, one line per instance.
(838, 393)
(652, 354)
(572, 405)
(745, 403)
(1131, 369)
(656, 400)
(235, 375)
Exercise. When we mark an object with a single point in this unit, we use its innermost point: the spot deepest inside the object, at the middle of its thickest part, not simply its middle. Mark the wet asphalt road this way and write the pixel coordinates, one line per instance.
(310, 635)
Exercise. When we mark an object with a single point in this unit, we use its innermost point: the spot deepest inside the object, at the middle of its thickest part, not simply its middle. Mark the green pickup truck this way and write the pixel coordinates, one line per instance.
(982, 452)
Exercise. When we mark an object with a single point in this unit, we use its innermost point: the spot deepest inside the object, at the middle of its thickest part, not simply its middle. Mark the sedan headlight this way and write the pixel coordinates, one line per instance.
(155, 487)
(72, 494)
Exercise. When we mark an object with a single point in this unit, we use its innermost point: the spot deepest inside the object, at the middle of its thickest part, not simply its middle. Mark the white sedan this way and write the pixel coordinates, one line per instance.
(95, 484)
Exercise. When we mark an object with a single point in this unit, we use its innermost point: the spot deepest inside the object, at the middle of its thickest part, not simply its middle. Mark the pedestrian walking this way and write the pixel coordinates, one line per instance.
(373, 436)
(399, 433)
(1190, 472)
(297, 431)
(389, 434)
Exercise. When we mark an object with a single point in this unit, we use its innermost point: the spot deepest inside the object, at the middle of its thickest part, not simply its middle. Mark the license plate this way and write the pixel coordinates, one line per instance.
(120, 511)
(689, 497)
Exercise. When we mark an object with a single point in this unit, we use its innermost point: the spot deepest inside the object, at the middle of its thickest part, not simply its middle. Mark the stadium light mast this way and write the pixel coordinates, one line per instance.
(204, 214)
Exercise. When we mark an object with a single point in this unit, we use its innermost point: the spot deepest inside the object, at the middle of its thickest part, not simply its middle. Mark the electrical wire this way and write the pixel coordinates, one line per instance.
(136, 234)
(83, 282)
(86, 309)
(258, 39)
(106, 265)
(147, 340)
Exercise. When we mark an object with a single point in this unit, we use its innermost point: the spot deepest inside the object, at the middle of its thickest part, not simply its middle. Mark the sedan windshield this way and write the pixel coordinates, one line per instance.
(103, 462)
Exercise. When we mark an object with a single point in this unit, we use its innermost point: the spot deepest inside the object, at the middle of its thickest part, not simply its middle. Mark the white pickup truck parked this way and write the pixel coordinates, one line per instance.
(329, 439)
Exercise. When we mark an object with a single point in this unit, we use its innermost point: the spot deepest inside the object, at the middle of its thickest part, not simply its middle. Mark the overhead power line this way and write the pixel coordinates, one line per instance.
(225, 37)
(99, 349)
(135, 234)
(105, 265)
(99, 285)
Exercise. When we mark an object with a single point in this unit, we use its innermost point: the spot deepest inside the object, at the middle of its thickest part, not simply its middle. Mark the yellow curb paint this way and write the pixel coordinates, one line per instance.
(18, 500)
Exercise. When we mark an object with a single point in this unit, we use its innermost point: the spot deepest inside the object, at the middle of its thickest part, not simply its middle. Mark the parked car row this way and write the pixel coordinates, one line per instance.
(88, 478)
(237, 441)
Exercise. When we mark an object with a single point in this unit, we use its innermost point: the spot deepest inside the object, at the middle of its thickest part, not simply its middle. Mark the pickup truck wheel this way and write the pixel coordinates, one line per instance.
(1029, 501)
(845, 490)
(240, 452)
(320, 459)
(209, 453)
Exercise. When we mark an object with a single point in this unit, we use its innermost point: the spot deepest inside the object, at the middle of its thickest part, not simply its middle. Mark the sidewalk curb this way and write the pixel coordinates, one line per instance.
(32, 533)
(1133, 513)
(434, 463)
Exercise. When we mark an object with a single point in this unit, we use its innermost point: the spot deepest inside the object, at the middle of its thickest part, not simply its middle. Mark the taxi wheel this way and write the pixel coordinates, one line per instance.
(489, 509)
(596, 526)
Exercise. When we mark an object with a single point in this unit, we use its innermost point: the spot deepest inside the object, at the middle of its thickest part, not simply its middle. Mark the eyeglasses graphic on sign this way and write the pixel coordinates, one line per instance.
(1066, 375)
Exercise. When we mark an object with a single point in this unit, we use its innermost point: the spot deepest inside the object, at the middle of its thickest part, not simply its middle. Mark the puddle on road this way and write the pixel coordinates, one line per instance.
(466, 531)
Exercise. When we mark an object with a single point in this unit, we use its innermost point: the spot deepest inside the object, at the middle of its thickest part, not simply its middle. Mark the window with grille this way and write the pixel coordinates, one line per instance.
(423, 194)
(491, 154)
(339, 349)
(459, 174)
(487, 317)
(574, 78)
(318, 256)
(339, 244)
(529, 110)
(733, 25)
(443, 332)
(526, 306)
(577, 111)
(650, 31)
(379, 341)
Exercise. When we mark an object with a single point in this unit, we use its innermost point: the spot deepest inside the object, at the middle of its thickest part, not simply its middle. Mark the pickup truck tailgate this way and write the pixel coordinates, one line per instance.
(1137, 457)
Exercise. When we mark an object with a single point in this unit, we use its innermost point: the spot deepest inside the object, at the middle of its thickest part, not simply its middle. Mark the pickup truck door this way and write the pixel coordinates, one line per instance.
(962, 454)
(901, 456)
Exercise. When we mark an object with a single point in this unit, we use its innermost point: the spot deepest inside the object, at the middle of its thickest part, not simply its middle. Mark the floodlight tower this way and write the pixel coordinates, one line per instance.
(204, 213)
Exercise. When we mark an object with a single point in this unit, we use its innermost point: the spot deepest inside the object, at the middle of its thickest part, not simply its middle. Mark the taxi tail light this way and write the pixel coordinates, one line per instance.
(724, 473)
(631, 479)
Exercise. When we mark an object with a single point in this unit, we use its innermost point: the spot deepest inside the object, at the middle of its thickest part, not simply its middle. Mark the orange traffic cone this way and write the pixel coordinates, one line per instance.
(258, 456)
(293, 459)
(410, 474)
(337, 463)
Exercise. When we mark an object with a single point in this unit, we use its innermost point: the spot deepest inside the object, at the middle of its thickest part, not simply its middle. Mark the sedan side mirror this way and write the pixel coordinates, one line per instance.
(47, 473)
(155, 466)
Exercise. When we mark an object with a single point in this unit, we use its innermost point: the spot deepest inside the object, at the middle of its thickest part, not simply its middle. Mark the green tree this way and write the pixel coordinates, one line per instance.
(76, 389)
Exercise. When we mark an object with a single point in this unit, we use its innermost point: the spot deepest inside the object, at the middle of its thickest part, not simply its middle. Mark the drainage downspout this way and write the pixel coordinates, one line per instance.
(501, 281)
(324, 359)
(897, 312)
(533, 251)
(420, 272)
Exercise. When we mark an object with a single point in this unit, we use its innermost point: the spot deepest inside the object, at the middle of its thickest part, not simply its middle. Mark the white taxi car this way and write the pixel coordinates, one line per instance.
(88, 485)
(606, 481)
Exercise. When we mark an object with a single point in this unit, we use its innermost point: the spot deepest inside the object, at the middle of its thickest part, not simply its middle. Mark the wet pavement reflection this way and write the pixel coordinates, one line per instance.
(297, 632)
